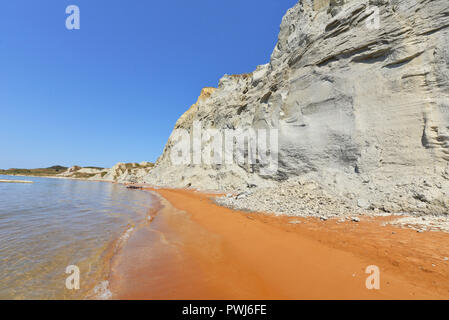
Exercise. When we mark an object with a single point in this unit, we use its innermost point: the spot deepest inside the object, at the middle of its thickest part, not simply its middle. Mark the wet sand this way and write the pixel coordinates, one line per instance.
(195, 249)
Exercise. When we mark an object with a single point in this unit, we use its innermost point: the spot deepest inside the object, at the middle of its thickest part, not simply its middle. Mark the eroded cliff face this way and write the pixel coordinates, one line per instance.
(362, 109)
(121, 172)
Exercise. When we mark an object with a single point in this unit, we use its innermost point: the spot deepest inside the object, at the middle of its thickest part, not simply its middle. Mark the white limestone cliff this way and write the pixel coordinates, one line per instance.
(362, 111)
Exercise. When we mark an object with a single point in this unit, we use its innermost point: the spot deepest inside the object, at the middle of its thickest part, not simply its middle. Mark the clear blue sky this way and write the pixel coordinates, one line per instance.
(113, 90)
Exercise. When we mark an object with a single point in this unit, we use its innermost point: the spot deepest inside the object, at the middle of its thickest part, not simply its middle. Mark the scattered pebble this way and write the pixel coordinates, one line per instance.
(306, 199)
(309, 199)
(434, 223)
(362, 203)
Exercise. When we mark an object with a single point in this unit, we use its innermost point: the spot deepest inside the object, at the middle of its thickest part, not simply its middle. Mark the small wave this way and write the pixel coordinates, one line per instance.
(125, 236)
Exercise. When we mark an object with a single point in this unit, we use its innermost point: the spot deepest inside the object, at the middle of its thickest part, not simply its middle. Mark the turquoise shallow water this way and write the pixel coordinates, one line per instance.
(53, 223)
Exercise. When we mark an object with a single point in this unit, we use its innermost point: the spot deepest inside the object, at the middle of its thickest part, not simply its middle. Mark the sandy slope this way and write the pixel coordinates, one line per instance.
(211, 252)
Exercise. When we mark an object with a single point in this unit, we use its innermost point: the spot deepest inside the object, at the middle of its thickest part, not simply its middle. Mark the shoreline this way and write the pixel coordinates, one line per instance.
(102, 290)
(57, 177)
(200, 250)
(237, 262)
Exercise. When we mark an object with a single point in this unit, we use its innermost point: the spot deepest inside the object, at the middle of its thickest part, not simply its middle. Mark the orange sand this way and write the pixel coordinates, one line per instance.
(211, 252)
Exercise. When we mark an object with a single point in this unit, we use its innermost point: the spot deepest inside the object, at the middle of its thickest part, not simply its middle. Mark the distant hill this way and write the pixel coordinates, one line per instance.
(51, 171)
(121, 172)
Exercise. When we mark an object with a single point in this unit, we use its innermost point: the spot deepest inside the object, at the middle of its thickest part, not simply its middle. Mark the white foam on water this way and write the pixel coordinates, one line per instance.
(126, 235)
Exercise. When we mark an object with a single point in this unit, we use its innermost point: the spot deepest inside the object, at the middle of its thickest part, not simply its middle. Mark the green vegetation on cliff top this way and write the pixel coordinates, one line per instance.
(51, 171)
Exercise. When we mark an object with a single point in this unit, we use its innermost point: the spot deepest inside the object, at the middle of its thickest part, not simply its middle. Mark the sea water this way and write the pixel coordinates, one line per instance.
(52, 224)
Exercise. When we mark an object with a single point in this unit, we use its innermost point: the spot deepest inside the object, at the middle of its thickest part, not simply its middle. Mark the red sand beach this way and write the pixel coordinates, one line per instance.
(195, 249)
